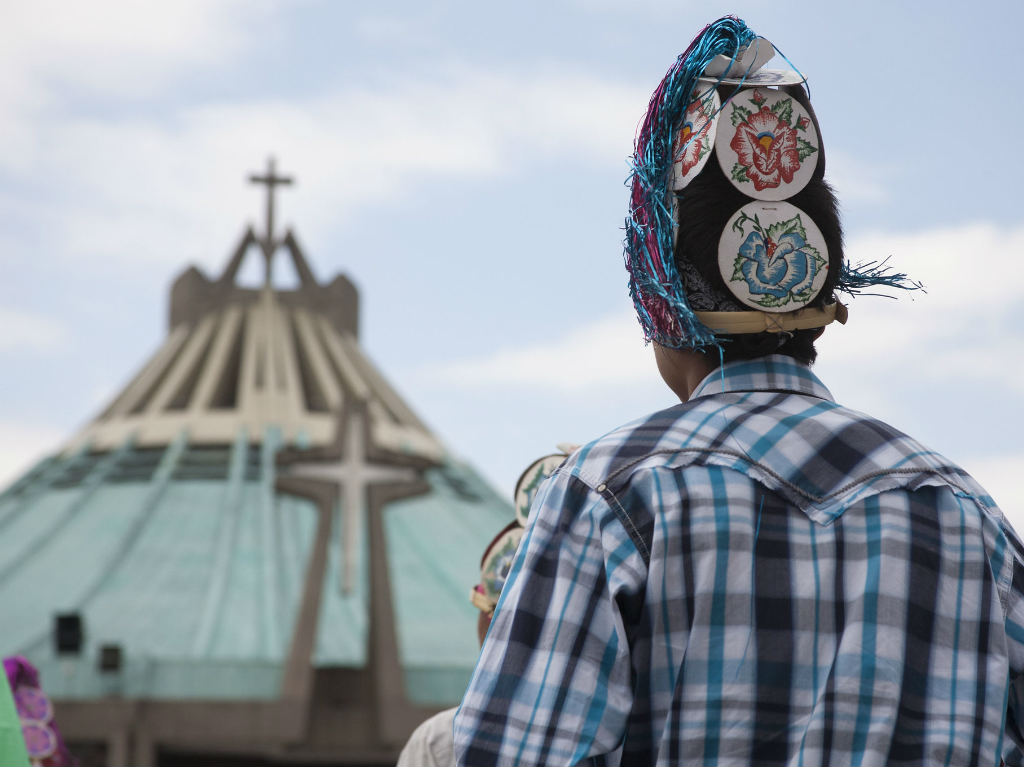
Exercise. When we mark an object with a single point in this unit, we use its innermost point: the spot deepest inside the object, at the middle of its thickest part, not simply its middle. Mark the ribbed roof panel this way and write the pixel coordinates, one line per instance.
(252, 367)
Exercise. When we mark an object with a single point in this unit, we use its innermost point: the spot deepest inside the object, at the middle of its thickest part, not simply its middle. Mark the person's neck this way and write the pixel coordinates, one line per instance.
(682, 369)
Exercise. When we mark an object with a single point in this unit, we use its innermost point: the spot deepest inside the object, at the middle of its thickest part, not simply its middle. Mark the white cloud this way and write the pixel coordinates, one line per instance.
(955, 263)
(132, 185)
(896, 359)
(608, 353)
(87, 44)
(50, 49)
(141, 186)
(961, 325)
(20, 330)
(957, 326)
(21, 445)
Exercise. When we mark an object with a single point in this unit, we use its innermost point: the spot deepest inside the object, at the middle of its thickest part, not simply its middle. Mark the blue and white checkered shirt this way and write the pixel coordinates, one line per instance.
(755, 576)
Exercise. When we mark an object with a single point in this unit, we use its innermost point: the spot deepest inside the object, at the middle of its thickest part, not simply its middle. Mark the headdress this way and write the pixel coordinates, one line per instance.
(771, 256)
(497, 559)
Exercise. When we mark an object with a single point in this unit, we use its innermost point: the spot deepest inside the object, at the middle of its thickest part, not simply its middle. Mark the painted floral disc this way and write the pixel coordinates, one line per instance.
(40, 739)
(526, 487)
(695, 139)
(497, 562)
(766, 144)
(773, 257)
(32, 703)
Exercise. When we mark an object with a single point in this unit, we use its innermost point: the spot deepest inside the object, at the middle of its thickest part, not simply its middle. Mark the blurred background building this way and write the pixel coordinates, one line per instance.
(257, 553)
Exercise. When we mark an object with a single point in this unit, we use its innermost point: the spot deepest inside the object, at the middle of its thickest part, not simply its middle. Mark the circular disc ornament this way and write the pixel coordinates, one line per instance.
(693, 142)
(497, 560)
(529, 481)
(773, 257)
(766, 144)
(40, 739)
(32, 703)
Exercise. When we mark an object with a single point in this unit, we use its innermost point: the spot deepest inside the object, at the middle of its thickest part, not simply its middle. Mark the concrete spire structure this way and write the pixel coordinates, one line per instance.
(257, 552)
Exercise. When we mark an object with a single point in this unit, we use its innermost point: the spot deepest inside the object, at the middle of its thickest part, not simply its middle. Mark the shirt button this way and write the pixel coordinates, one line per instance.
(602, 487)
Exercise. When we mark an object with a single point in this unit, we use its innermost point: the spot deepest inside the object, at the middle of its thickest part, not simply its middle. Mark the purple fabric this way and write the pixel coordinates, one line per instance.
(42, 738)
(20, 672)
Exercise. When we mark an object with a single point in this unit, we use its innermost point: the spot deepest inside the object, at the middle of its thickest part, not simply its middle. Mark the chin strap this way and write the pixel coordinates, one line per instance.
(729, 323)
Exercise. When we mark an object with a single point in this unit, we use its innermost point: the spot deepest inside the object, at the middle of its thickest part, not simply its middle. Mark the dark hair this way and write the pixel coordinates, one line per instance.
(704, 208)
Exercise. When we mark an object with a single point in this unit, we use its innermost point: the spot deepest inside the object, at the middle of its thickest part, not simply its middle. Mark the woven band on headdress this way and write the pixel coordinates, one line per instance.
(763, 322)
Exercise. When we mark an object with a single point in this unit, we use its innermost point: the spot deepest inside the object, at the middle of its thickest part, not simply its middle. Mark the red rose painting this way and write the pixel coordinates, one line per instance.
(767, 148)
(766, 153)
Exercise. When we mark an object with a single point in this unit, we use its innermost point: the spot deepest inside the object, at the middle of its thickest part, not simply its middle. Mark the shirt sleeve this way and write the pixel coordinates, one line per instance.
(1014, 751)
(430, 744)
(553, 683)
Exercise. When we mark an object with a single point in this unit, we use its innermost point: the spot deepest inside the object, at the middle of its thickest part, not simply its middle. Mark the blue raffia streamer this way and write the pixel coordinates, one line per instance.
(654, 282)
(854, 279)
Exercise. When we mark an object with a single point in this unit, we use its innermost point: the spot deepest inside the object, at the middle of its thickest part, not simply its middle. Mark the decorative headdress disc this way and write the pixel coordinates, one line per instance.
(696, 137)
(773, 257)
(771, 149)
(529, 481)
(497, 561)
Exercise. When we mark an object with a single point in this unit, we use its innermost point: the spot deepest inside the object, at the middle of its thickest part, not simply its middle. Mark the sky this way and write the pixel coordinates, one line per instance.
(465, 165)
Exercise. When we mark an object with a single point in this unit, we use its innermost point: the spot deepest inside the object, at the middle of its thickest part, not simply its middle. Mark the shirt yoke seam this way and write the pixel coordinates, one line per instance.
(782, 480)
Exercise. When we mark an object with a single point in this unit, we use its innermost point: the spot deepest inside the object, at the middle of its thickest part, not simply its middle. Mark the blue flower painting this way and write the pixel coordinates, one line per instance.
(777, 264)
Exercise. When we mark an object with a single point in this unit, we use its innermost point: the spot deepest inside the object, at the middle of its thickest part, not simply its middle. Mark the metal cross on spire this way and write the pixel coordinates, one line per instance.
(267, 242)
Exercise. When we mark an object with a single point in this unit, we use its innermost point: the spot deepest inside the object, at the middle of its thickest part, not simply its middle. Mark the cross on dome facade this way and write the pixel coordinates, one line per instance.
(268, 243)
(353, 476)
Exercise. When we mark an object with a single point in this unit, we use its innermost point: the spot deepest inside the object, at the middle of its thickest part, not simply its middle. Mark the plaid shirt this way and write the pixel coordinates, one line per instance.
(755, 576)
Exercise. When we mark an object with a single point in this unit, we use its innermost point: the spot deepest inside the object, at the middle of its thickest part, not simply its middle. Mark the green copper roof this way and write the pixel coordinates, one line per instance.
(435, 543)
(187, 558)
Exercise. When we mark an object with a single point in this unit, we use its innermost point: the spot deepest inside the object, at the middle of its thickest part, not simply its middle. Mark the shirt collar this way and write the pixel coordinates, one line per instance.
(777, 373)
